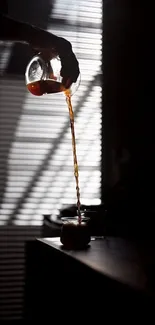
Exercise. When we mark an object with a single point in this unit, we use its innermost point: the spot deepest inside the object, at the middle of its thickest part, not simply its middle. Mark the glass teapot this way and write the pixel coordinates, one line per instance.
(44, 77)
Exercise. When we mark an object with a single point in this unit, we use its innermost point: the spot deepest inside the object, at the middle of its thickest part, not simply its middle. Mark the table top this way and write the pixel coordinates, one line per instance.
(127, 262)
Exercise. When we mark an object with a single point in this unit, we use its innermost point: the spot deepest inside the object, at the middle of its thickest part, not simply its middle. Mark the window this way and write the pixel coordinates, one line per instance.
(36, 163)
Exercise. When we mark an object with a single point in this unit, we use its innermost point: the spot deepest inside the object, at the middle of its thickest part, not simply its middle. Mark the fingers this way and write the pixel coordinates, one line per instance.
(46, 54)
(70, 66)
(63, 47)
(70, 69)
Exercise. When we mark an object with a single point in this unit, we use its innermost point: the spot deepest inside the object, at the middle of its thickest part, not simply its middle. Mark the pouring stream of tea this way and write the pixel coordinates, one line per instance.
(76, 170)
(41, 87)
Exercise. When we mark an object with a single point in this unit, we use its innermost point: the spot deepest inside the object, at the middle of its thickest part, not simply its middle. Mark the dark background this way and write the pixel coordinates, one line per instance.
(128, 98)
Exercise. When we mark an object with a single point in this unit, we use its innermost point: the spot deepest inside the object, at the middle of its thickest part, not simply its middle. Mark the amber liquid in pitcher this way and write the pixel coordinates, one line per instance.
(41, 87)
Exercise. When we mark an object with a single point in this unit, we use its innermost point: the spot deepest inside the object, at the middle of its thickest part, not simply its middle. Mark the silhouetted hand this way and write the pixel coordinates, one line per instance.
(52, 46)
(70, 66)
(42, 41)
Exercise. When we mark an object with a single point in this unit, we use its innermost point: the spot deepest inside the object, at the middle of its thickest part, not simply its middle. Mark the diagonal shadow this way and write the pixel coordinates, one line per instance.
(54, 177)
(43, 166)
(83, 24)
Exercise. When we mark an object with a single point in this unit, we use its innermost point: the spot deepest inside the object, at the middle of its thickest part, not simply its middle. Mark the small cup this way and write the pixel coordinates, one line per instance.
(75, 235)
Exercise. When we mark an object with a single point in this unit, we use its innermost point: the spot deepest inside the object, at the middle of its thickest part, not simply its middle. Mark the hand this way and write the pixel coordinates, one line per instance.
(70, 66)
(70, 69)
(42, 41)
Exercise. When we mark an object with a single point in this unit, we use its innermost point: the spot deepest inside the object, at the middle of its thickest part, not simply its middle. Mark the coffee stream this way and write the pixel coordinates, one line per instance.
(76, 170)
(41, 87)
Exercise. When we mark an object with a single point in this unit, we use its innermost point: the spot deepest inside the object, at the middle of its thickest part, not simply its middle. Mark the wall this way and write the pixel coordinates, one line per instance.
(128, 94)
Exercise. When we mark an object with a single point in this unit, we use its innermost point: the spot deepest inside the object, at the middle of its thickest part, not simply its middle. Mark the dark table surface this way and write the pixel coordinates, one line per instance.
(128, 262)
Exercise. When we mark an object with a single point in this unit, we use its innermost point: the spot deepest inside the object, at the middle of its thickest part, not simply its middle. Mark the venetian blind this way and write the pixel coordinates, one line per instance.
(35, 132)
(36, 163)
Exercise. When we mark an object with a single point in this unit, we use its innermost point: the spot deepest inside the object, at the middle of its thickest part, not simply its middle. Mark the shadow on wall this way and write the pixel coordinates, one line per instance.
(12, 238)
(35, 13)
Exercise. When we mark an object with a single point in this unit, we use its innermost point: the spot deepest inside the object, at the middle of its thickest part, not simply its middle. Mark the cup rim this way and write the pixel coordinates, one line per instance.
(67, 219)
